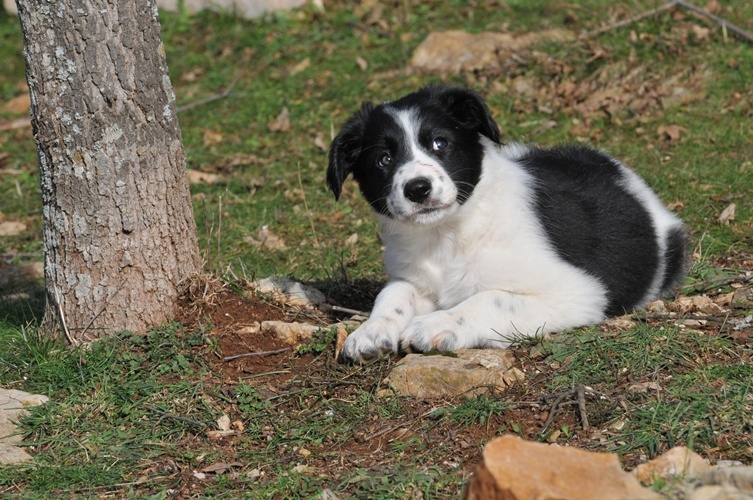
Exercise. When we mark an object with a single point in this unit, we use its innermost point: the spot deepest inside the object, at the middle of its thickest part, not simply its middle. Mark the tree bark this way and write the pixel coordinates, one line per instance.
(119, 233)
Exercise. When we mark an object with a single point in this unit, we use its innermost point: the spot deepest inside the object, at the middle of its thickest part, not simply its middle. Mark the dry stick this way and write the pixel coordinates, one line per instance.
(102, 309)
(746, 35)
(707, 285)
(257, 353)
(552, 412)
(581, 391)
(73, 341)
(165, 414)
(348, 310)
(726, 26)
(225, 93)
(308, 212)
(631, 20)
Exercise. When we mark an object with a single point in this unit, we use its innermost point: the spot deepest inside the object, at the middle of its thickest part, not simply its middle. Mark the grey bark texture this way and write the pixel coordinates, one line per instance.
(119, 232)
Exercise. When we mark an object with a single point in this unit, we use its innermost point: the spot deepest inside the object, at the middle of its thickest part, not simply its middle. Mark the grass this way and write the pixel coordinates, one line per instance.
(111, 424)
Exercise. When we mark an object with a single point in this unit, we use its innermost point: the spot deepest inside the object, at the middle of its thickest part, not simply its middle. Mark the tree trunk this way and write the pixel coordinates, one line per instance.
(119, 233)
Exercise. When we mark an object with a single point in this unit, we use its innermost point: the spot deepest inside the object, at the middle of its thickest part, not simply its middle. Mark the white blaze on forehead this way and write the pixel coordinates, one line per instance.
(419, 164)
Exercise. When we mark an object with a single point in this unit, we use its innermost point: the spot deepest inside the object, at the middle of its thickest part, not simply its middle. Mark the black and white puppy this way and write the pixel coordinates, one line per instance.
(486, 242)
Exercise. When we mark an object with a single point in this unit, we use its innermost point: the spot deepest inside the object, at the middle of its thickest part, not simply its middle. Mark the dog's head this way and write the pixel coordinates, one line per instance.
(416, 159)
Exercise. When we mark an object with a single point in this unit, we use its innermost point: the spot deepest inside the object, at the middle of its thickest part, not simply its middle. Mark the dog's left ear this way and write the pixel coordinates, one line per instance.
(467, 107)
(345, 149)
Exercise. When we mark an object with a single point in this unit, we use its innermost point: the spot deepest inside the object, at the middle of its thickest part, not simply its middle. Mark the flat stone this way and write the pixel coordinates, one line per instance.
(456, 51)
(514, 469)
(468, 372)
(13, 404)
(677, 462)
(10, 454)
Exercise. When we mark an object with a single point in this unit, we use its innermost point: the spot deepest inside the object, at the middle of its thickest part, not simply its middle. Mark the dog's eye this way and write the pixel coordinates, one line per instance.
(439, 144)
(385, 160)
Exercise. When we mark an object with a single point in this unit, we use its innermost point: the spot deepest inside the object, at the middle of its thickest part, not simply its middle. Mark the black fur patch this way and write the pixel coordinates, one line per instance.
(593, 222)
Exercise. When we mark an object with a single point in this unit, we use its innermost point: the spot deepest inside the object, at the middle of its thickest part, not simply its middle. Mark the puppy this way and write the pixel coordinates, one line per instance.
(484, 241)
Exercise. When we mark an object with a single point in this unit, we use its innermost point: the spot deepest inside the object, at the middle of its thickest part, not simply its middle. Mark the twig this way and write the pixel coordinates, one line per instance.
(257, 353)
(347, 310)
(553, 411)
(631, 20)
(225, 93)
(73, 341)
(308, 212)
(165, 414)
(726, 26)
(581, 391)
(705, 286)
(745, 35)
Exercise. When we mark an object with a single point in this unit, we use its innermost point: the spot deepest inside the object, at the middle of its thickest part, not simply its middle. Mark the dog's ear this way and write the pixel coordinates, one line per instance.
(467, 107)
(346, 147)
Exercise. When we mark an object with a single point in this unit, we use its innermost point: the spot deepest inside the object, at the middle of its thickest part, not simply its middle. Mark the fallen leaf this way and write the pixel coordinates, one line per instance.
(727, 214)
(192, 75)
(362, 63)
(197, 177)
(266, 239)
(319, 143)
(212, 138)
(351, 240)
(671, 132)
(12, 228)
(281, 123)
(223, 423)
(18, 105)
(643, 387)
(700, 32)
(713, 7)
(300, 67)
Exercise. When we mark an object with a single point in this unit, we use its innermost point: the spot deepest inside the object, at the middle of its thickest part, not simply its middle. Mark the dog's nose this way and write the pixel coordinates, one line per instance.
(418, 189)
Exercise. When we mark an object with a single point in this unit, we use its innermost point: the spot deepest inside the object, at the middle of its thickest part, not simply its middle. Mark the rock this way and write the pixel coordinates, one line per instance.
(13, 404)
(458, 51)
(718, 493)
(514, 469)
(467, 373)
(678, 462)
(290, 333)
(290, 292)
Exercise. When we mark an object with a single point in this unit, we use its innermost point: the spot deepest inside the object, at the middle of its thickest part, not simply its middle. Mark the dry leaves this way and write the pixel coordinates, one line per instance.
(281, 123)
(727, 214)
(670, 133)
(211, 138)
(12, 228)
(18, 105)
(197, 177)
(265, 238)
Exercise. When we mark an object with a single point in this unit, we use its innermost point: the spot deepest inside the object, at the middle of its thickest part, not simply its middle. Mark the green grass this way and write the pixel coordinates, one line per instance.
(110, 425)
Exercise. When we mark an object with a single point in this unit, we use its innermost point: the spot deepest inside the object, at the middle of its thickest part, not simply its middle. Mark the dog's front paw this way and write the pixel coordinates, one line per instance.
(373, 339)
(435, 331)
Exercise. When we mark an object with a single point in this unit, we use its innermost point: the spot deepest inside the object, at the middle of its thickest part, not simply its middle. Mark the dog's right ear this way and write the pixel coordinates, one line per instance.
(346, 147)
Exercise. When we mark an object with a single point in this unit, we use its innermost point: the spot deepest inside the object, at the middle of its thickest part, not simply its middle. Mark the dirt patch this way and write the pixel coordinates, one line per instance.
(296, 410)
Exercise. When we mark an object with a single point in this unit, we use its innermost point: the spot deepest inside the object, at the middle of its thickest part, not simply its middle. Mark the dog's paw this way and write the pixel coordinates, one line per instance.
(373, 339)
(435, 331)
